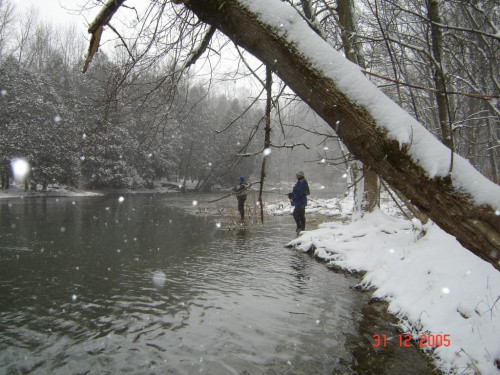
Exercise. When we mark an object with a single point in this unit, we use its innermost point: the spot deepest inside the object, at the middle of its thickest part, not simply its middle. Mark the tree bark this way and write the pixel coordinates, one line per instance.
(439, 75)
(345, 10)
(476, 227)
(491, 152)
(267, 137)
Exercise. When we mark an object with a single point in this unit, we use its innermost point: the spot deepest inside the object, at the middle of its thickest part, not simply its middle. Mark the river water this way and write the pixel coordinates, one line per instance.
(146, 285)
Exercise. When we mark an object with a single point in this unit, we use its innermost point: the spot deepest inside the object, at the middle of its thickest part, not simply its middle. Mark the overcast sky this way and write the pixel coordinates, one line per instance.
(66, 12)
(53, 10)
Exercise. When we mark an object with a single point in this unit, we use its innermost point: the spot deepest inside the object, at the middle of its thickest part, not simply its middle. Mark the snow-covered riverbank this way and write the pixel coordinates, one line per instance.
(439, 290)
(17, 191)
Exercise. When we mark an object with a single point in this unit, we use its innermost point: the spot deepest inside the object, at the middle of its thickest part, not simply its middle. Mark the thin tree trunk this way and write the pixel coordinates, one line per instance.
(267, 137)
(370, 192)
(439, 74)
(188, 162)
(492, 153)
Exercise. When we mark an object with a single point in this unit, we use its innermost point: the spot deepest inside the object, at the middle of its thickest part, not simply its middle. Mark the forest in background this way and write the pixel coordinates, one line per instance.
(116, 128)
(77, 129)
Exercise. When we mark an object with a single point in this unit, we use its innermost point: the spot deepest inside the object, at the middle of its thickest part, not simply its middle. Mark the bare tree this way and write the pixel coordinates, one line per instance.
(444, 61)
(345, 8)
(6, 20)
(27, 25)
(434, 14)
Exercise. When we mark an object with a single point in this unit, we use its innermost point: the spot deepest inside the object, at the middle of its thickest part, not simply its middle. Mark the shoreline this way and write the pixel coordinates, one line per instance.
(17, 192)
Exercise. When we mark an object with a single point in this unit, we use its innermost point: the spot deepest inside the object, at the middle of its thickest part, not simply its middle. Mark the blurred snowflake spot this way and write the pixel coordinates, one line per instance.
(57, 119)
(20, 169)
(159, 279)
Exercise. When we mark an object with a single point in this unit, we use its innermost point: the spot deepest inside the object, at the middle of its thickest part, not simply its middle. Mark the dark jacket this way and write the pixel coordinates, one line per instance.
(240, 189)
(299, 197)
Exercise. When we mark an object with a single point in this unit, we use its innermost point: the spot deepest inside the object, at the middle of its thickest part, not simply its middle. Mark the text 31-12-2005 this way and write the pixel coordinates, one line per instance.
(423, 341)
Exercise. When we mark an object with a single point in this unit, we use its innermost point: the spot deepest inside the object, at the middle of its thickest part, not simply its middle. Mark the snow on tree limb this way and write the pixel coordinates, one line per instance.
(97, 26)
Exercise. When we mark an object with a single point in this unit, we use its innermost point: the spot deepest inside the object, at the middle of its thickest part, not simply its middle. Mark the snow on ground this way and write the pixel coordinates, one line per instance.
(17, 191)
(431, 283)
(338, 207)
(56, 190)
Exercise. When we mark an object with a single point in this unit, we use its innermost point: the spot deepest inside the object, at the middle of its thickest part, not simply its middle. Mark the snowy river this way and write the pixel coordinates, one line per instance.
(145, 285)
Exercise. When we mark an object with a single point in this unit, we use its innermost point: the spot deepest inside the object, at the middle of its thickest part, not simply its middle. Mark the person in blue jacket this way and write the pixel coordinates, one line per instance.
(298, 199)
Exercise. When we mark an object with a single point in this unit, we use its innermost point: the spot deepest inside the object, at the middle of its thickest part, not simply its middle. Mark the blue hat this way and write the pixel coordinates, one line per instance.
(242, 178)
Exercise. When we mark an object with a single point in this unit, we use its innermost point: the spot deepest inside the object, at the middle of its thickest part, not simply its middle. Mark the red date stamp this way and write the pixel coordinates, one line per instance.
(405, 341)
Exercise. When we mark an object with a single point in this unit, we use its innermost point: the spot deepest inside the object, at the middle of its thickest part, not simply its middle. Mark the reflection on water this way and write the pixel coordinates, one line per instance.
(95, 285)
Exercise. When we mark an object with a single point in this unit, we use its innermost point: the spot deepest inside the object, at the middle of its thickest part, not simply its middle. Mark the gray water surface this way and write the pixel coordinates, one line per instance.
(147, 286)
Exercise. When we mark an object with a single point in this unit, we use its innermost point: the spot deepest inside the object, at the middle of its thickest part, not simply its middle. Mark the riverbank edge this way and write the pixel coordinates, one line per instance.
(16, 192)
(394, 319)
(444, 301)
